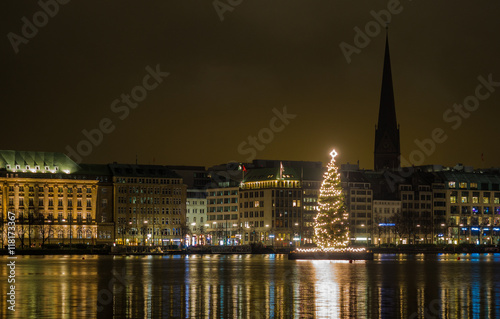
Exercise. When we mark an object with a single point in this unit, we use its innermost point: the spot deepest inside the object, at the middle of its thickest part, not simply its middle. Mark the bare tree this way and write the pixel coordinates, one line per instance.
(4, 232)
(185, 230)
(379, 229)
(401, 225)
(46, 228)
(31, 225)
(21, 227)
(427, 227)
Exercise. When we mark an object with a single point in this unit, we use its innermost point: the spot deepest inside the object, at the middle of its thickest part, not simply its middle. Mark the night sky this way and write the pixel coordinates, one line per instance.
(226, 78)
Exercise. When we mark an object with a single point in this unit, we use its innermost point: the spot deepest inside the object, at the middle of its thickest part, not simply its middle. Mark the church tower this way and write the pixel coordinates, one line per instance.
(387, 150)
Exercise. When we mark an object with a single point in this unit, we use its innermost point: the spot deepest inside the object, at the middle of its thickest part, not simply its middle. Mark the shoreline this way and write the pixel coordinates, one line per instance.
(83, 252)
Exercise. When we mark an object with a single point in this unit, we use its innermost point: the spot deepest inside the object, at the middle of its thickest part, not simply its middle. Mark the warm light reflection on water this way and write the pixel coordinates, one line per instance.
(254, 286)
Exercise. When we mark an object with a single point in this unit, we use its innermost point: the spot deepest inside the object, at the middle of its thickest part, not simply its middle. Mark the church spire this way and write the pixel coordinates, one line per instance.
(387, 148)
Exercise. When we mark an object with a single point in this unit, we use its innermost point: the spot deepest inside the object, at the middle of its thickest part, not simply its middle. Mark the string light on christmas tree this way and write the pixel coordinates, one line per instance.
(331, 230)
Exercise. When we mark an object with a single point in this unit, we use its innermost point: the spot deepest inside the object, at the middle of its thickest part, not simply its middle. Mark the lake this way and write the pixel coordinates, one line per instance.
(254, 286)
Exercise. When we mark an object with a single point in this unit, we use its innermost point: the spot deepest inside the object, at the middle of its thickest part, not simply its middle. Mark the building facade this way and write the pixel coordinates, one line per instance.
(196, 216)
(383, 221)
(271, 207)
(50, 201)
(223, 222)
(149, 205)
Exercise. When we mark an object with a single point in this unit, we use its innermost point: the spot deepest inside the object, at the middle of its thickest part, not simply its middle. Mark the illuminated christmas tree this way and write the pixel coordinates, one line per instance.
(331, 229)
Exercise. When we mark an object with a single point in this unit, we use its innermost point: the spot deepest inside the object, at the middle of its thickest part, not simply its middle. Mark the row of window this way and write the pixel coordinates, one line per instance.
(194, 220)
(148, 180)
(252, 204)
(417, 205)
(149, 200)
(220, 209)
(272, 184)
(195, 210)
(78, 233)
(148, 210)
(219, 201)
(386, 210)
(60, 202)
(61, 218)
(223, 217)
(464, 198)
(131, 222)
(311, 208)
(285, 214)
(149, 190)
(361, 199)
(252, 194)
(69, 190)
(362, 215)
(310, 200)
(254, 223)
(150, 231)
(465, 185)
(467, 221)
(361, 207)
(361, 192)
(466, 210)
(280, 223)
(195, 202)
(251, 214)
(410, 197)
(223, 193)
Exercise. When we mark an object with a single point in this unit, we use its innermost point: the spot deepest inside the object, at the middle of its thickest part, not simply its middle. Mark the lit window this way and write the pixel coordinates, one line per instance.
(451, 184)
(464, 199)
(463, 185)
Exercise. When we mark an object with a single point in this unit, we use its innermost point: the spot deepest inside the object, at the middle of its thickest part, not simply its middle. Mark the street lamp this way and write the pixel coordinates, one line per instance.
(418, 232)
(215, 233)
(130, 227)
(144, 232)
(205, 230)
(48, 231)
(70, 220)
(192, 233)
(63, 220)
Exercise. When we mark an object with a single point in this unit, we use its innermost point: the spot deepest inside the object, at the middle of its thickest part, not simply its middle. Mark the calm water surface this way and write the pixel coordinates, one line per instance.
(254, 286)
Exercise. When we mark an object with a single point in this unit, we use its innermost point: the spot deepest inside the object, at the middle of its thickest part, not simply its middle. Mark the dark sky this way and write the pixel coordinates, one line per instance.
(226, 77)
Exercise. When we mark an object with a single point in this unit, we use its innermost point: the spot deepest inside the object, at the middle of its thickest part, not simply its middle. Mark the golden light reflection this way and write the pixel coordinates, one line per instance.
(254, 287)
(327, 290)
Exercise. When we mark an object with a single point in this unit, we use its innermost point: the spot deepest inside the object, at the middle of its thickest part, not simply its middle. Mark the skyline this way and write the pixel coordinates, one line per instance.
(228, 79)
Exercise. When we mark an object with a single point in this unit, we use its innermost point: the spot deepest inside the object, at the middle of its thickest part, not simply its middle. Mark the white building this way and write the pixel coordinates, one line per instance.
(383, 220)
(196, 216)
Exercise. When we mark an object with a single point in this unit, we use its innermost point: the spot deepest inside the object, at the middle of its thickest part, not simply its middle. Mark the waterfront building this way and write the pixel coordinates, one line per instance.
(271, 206)
(196, 179)
(223, 222)
(383, 221)
(267, 201)
(51, 201)
(149, 204)
(311, 185)
(359, 202)
(104, 202)
(472, 206)
(196, 216)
